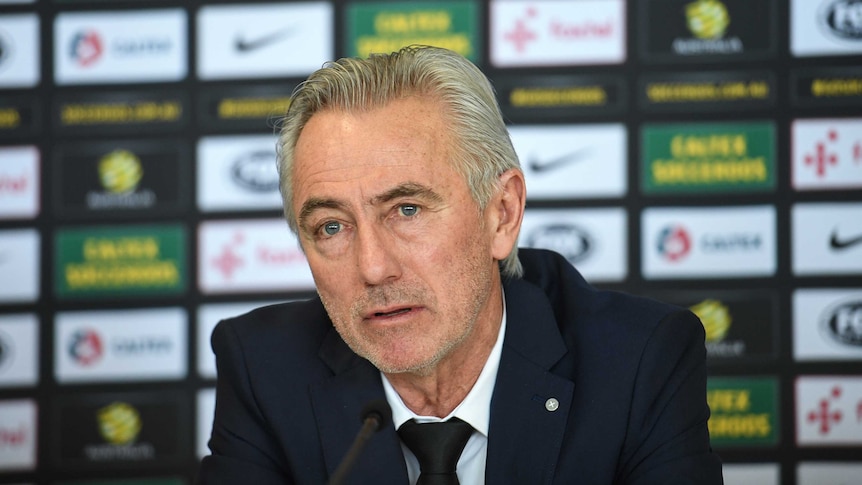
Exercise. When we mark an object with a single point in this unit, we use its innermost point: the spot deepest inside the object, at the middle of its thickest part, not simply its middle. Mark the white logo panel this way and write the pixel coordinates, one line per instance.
(249, 256)
(832, 473)
(121, 345)
(205, 414)
(19, 350)
(825, 27)
(751, 474)
(826, 238)
(828, 410)
(19, 182)
(723, 242)
(18, 435)
(593, 240)
(120, 47)
(572, 161)
(263, 40)
(19, 51)
(237, 173)
(19, 265)
(827, 324)
(208, 317)
(557, 33)
(827, 154)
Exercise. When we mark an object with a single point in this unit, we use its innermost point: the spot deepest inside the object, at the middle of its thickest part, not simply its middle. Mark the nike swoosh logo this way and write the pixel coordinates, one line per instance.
(538, 166)
(245, 45)
(837, 243)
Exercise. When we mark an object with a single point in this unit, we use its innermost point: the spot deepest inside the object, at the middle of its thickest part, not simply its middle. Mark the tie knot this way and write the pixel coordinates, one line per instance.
(437, 446)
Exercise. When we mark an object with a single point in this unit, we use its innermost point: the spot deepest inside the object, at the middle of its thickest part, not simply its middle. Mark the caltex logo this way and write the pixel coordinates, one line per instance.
(86, 48)
(86, 347)
(674, 243)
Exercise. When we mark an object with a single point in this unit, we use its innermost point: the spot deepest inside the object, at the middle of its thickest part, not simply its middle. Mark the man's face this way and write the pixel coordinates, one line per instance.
(400, 252)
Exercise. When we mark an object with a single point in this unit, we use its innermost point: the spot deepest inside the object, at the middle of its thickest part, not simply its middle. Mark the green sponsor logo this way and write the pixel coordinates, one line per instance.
(713, 157)
(383, 27)
(744, 412)
(122, 260)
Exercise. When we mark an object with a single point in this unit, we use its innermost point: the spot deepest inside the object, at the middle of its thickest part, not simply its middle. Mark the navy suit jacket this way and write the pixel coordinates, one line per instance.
(629, 374)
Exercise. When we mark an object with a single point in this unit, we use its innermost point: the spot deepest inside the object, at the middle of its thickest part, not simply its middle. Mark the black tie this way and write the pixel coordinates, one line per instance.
(438, 447)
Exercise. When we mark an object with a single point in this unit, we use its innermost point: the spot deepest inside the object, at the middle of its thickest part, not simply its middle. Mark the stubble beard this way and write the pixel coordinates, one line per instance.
(365, 342)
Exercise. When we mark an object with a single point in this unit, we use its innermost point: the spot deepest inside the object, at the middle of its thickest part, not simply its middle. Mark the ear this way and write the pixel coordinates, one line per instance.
(505, 212)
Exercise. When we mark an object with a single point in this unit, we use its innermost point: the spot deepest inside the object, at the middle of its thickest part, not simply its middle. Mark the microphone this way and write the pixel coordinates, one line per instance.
(375, 416)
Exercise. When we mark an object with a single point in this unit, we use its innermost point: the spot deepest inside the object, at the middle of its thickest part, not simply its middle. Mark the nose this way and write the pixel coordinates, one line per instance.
(376, 259)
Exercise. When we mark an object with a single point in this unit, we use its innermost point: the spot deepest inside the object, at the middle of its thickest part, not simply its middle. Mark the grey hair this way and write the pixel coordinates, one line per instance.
(483, 147)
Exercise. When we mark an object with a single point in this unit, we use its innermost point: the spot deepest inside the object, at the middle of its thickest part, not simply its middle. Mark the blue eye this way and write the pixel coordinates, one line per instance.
(331, 228)
(408, 210)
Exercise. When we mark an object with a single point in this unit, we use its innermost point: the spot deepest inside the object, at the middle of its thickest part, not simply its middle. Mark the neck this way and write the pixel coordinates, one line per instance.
(437, 391)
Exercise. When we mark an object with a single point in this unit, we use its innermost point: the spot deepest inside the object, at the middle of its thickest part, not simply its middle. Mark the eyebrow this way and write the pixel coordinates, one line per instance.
(406, 189)
(313, 204)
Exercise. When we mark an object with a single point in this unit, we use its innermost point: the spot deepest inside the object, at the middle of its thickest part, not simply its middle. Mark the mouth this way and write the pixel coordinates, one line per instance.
(388, 313)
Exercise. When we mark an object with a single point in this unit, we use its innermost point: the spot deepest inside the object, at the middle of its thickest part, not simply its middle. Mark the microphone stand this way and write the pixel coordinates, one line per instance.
(373, 419)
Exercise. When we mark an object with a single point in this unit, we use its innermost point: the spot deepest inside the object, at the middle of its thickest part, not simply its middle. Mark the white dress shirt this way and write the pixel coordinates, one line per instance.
(475, 409)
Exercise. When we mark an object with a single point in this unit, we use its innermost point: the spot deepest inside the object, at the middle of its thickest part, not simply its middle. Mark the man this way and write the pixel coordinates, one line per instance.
(399, 178)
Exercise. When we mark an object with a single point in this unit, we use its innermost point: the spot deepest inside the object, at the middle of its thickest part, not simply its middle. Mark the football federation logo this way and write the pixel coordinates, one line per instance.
(119, 423)
(715, 317)
(674, 243)
(86, 48)
(120, 171)
(86, 347)
(707, 19)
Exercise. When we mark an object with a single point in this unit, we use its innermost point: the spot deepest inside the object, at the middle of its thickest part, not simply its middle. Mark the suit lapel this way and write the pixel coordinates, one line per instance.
(338, 402)
(526, 428)
(530, 405)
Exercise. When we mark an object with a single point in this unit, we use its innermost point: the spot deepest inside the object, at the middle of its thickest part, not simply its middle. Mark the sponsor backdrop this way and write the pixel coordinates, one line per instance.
(703, 152)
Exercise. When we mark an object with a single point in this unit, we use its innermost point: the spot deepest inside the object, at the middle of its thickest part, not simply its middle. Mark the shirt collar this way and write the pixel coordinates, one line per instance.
(475, 409)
